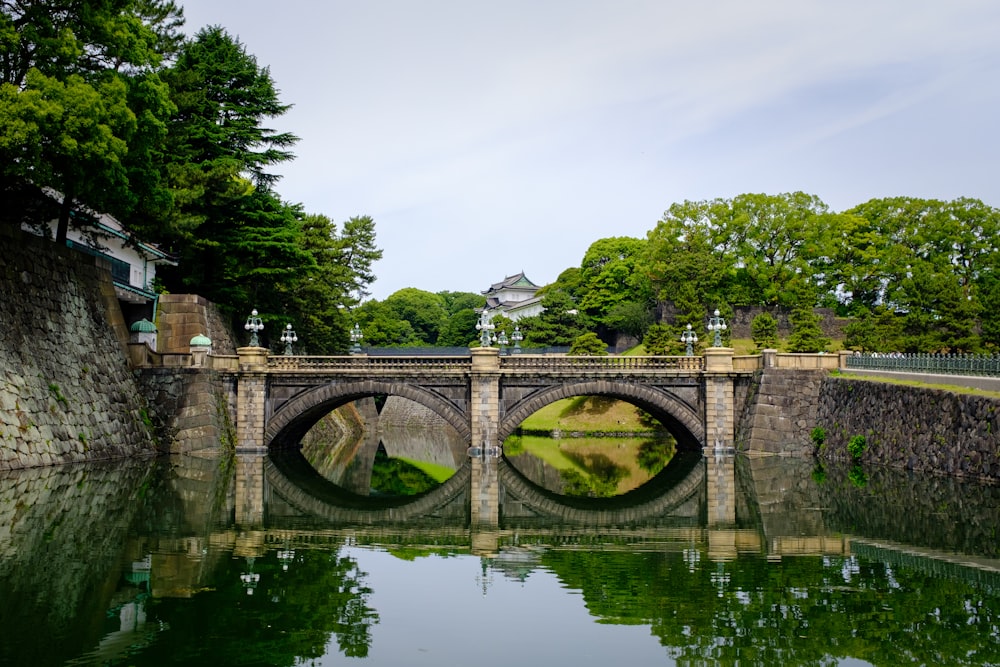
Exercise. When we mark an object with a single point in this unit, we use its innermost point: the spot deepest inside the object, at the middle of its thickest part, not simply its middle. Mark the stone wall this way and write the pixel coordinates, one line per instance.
(189, 408)
(66, 391)
(781, 413)
(742, 317)
(912, 428)
(181, 317)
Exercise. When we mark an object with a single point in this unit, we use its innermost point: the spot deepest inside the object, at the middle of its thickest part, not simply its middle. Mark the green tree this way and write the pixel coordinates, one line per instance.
(764, 331)
(806, 336)
(218, 147)
(878, 330)
(69, 75)
(425, 311)
(588, 345)
(629, 317)
(660, 341)
(459, 330)
(610, 275)
(382, 327)
(559, 324)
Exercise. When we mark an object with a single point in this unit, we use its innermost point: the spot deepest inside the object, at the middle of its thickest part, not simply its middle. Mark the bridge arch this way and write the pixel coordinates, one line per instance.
(320, 498)
(293, 419)
(682, 420)
(682, 482)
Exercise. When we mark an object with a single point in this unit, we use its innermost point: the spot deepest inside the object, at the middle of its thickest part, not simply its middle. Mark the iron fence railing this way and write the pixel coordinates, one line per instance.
(936, 364)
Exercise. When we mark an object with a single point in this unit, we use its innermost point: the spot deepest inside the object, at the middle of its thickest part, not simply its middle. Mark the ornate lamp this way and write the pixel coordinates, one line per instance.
(288, 337)
(689, 338)
(356, 337)
(718, 325)
(253, 325)
(485, 327)
(517, 337)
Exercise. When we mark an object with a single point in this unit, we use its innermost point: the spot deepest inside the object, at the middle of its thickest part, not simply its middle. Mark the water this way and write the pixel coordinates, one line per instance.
(156, 563)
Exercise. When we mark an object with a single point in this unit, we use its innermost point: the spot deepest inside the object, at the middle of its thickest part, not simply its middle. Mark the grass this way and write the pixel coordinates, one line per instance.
(438, 473)
(587, 414)
(576, 453)
(957, 389)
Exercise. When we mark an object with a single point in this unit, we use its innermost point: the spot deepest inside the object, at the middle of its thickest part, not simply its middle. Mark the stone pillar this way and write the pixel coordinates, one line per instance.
(720, 422)
(249, 491)
(720, 476)
(251, 392)
(770, 358)
(484, 412)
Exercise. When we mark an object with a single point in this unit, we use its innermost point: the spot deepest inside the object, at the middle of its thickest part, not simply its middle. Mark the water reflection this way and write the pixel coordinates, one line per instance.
(146, 563)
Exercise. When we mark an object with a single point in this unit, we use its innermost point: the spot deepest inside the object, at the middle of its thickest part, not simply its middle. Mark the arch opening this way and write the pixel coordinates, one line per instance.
(401, 448)
(597, 445)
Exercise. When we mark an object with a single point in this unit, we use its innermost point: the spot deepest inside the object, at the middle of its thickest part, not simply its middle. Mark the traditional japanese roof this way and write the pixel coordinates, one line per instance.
(517, 281)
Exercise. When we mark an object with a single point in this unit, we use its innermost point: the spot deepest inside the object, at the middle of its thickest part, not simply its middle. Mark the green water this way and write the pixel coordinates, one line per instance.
(146, 564)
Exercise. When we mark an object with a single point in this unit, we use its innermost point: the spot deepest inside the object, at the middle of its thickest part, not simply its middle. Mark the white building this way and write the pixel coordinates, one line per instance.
(133, 262)
(514, 298)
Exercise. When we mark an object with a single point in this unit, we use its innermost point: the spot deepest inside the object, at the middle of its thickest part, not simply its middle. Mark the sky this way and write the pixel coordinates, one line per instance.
(487, 139)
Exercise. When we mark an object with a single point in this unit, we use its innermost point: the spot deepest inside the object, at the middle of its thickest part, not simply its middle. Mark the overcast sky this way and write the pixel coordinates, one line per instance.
(491, 138)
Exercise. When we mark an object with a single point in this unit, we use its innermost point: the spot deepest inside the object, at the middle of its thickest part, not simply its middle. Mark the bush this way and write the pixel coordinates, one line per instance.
(818, 436)
(588, 345)
(856, 446)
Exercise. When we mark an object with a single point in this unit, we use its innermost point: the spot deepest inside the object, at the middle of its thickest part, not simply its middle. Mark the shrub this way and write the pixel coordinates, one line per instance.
(856, 446)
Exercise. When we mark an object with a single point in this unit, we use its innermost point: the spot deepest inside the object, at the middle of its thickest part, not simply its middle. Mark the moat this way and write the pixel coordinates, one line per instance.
(154, 563)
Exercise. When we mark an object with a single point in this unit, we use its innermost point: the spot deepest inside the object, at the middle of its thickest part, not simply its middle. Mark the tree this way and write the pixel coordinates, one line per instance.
(588, 345)
(609, 276)
(459, 330)
(382, 328)
(629, 317)
(559, 324)
(68, 75)
(806, 336)
(764, 331)
(217, 144)
(356, 246)
(424, 311)
(878, 330)
(660, 341)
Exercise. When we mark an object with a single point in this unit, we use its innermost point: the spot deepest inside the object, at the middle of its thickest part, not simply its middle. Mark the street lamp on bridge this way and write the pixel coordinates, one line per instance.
(689, 338)
(253, 325)
(718, 325)
(485, 327)
(356, 337)
(517, 337)
(288, 337)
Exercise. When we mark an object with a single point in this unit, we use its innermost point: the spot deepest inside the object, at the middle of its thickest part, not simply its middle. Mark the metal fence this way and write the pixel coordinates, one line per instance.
(936, 364)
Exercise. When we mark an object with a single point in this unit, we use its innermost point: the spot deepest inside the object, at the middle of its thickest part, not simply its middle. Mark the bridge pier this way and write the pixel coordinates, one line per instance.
(720, 421)
(251, 395)
(484, 414)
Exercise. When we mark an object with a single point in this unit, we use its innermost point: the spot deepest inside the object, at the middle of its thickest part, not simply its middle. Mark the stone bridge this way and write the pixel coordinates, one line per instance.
(483, 395)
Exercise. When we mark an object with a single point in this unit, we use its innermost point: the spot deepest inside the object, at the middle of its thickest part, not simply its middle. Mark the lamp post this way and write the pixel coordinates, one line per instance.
(718, 325)
(502, 340)
(356, 337)
(288, 337)
(484, 326)
(517, 337)
(689, 337)
(253, 325)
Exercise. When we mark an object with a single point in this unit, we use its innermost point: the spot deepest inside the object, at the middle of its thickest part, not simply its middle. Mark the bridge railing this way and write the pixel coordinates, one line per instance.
(367, 364)
(528, 362)
(935, 364)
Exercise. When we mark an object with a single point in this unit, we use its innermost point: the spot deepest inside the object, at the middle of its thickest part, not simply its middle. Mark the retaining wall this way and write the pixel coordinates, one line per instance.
(66, 390)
